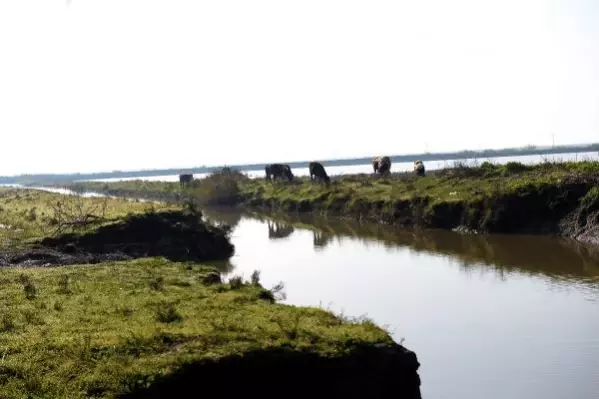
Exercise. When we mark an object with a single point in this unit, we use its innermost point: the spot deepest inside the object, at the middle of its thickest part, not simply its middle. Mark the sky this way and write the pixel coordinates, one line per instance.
(101, 85)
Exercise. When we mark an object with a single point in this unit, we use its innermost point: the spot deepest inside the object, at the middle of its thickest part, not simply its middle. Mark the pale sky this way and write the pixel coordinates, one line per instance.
(99, 85)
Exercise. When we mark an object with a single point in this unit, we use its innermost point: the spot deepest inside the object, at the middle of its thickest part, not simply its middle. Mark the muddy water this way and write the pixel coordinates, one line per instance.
(489, 317)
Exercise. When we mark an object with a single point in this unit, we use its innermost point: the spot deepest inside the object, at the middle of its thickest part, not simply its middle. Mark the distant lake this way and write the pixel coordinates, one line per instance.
(397, 167)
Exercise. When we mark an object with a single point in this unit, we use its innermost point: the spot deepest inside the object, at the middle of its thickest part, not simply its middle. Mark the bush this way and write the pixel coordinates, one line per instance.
(218, 188)
(236, 282)
(515, 167)
(167, 313)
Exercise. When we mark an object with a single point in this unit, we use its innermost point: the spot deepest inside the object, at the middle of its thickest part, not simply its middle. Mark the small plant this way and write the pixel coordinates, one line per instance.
(7, 323)
(126, 311)
(29, 289)
(58, 306)
(85, 350)
(590, 201)
(32, 214)
(291, 330)
(157, 283)
(32, 317)
(514, 167)
(236, 282)
(167, 313)
(278, 292)
(63, 285)
(255, 278)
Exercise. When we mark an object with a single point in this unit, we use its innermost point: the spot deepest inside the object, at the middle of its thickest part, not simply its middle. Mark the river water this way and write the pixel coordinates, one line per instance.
(491, 317)
(396, 167)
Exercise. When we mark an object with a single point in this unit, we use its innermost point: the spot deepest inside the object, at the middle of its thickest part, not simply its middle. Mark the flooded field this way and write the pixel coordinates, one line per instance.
(490, 317)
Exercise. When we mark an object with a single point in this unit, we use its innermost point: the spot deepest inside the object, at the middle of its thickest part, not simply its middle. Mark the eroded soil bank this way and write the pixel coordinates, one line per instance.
(546, 199)
(175, 235)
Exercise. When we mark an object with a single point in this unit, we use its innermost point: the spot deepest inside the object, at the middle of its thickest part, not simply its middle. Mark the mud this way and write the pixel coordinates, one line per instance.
(175, 235)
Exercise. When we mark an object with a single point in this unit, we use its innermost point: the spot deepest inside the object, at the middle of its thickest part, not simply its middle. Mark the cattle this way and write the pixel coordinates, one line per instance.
(320, 239)
(185, 179)
(381, 165)
(418, 168)
(317, 171)
(278, 170)
(279, 230)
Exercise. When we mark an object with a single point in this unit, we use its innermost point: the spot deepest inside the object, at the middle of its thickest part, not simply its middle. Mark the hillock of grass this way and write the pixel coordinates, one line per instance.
(155, 328)
(176, 235)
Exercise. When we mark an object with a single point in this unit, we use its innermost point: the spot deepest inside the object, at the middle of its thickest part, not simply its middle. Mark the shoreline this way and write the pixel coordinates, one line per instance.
(548, 199)
(79, 321)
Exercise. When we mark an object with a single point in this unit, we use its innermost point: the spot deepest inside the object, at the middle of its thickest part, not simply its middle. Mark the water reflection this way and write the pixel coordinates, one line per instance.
(321, 239)
(277, 229)
(549, 256)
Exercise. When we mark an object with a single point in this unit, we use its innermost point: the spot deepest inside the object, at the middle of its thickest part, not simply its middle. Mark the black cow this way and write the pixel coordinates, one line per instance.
(279, 230)
(317, 171)
(381, 165)
(185, 179)
(278, 170)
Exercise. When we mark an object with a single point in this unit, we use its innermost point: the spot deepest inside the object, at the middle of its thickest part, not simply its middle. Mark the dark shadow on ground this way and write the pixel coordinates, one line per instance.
(368, 372)
(175, 235)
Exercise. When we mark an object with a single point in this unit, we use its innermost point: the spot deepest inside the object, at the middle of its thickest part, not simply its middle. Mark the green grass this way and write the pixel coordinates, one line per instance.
(454, 184)
(487, 197)
(107, 328)
(461, 182)
(115, 328)
(30, 214)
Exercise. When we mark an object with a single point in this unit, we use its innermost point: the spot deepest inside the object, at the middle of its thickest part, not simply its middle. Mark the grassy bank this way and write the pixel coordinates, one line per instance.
(550, 198)
(115, 328)
(164, 326)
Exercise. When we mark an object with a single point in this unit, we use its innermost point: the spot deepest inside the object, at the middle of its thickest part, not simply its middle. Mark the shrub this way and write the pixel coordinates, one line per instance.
(157, 283)
(590, 201)
(236, 282)
(514, 167)
(255, 278)
(167, 313)
(63, 285)
(219, 188)
(7, 323)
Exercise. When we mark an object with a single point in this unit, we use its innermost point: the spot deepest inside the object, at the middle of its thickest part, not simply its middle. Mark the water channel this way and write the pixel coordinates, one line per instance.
(494, 317)
(491, 317)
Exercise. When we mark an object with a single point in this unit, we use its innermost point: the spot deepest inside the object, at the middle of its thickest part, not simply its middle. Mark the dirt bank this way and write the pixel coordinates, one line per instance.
(567, 209)
(175, 235)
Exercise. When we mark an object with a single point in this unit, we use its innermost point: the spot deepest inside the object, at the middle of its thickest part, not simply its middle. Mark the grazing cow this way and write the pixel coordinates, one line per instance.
(419, 168)
(317, 171)
(381, 165)
(277, 170)
(279, 230)
(185, 179)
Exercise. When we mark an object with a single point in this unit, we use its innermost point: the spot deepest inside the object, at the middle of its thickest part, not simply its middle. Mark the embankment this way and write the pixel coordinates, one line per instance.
(556, 199)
